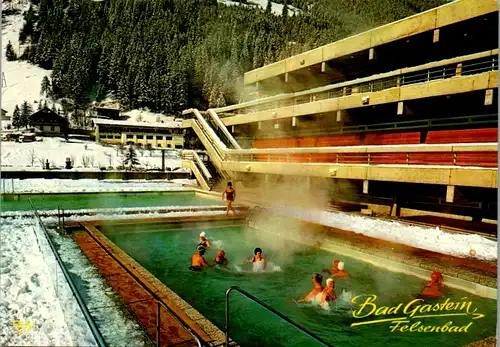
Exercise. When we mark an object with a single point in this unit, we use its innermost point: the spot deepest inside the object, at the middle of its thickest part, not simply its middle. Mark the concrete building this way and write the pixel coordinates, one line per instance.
(405, 115)
(154, 135)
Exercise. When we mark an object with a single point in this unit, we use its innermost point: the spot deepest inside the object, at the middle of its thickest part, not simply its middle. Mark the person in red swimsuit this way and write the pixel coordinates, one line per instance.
(230, 196)
(433, 287)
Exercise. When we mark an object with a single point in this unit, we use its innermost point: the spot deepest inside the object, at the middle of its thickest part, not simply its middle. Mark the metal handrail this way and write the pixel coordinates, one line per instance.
(158, 325)
(399, 77)
(269, 308)
(93, 327)
(411, 124)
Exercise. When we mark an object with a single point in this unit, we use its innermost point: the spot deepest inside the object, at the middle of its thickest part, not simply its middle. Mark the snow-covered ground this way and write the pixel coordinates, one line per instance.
(33, 299)
(30, 155)
(38, 185)
(277, 9)
(429, 239)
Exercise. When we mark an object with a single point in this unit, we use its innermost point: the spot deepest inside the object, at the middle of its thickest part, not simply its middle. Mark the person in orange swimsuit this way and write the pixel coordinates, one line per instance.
(220, 258)
(341, 272)
(230, 196)
(433, 287)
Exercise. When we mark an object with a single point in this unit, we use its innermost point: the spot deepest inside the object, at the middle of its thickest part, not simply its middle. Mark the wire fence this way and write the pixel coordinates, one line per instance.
(70, 300)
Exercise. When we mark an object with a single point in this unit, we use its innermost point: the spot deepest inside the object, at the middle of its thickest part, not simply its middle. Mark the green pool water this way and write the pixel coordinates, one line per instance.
(106, 200)
(165, 251)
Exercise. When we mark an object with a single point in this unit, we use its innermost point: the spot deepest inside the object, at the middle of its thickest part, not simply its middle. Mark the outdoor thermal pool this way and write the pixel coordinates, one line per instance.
(106, 200)
(165, 250)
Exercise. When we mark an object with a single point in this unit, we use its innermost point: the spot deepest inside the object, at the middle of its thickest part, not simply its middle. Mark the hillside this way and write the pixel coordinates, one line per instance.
(172, 55)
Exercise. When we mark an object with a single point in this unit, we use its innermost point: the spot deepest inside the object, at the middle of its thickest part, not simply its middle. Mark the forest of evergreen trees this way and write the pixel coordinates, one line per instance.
(169, 55)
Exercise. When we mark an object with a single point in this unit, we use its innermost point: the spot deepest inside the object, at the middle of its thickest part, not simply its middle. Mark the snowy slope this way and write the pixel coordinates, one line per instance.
(22, 79)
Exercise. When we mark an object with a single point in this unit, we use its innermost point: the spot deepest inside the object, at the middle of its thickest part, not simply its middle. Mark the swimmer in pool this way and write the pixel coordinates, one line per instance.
(259, 262)
(341, 272)
(328, 293)
(433, 287)
(334, 267)
(315, 294)
(220, 258)
(197, 260)
(204, 241)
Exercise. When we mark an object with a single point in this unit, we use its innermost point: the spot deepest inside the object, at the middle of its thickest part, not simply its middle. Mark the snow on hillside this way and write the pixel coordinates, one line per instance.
(17, 155)
(22, 80)
(277, 9)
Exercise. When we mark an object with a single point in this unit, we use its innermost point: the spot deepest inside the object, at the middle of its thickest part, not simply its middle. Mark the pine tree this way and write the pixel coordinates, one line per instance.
(25, 114)
(269, 7)
(39, 105)
(45, 105)
(9, 52)
(45, 89)
(16, 118)
(130, 157)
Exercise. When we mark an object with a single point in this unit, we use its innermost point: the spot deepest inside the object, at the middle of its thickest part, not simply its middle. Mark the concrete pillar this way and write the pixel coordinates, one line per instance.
(371, 54)
(400, 108)
(323, 66)
(232, 128)
(488, 97)
(97, 138)
(286, 77)
(395, 210)
(458, 70)
(365, 187)
(450, 193)
(340, 114)
(294, 121)
(259, 125)
(435, 37)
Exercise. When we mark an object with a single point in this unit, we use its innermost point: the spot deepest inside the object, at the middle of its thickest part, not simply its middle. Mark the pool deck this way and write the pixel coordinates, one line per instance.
(140, 290)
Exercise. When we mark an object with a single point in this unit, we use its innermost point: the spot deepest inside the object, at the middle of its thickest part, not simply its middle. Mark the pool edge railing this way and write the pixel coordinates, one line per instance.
(269, 308)
(88, 317)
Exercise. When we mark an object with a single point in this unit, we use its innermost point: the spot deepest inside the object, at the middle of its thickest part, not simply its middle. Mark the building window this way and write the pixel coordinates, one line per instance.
(117, 136)
(158, 145)
(149, 137)
(52, 128)
(130, 136)
(169, 146)
(178, 146)
(168, 138)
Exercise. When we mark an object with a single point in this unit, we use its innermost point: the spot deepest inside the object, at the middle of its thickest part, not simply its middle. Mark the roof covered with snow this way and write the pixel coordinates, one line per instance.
(167, 124)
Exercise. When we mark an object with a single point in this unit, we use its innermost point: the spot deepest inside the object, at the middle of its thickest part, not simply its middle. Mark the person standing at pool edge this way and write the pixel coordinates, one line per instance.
(230, 195)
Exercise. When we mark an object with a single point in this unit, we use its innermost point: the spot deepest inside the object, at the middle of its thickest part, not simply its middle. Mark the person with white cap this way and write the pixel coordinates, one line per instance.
(204, 241)
(328, 293)
(340, 272)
